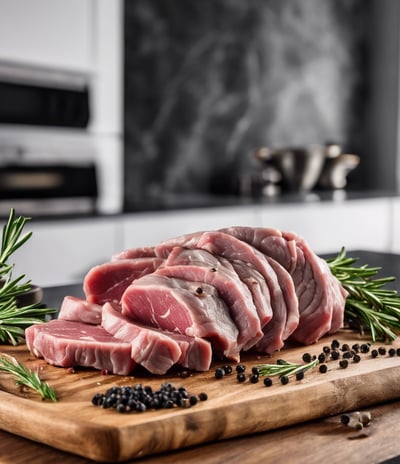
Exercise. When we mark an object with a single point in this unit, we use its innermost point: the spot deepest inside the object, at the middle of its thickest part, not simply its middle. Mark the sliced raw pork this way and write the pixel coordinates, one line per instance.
(80, 310)
(70, 344)
(320, 295)
(157, 350)
(201, 266)
(283, 298)
(107, 282)
(190, 308)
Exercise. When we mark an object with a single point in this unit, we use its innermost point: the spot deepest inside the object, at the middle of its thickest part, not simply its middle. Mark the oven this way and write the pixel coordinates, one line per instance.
(51, 160)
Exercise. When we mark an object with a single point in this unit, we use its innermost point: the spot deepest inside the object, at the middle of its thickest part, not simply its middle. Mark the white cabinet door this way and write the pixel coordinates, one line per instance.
(327, 226)
(61, 252)
(395, 242)
(55, 33)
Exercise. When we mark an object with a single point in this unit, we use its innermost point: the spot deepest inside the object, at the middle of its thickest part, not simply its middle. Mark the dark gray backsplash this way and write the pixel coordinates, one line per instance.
(208, 81)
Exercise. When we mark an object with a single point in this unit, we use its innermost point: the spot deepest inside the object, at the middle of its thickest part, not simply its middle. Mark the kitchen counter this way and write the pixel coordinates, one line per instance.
(309, 442)
(187, 201)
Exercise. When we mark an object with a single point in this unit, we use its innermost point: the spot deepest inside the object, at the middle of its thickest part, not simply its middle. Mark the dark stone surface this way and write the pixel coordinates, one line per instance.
(208, 81)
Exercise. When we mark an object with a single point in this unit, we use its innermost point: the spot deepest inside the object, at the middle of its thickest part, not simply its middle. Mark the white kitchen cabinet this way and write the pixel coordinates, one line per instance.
(395, 242)
(327, 226)
(147, 229)
(49, 33)
(61, 252)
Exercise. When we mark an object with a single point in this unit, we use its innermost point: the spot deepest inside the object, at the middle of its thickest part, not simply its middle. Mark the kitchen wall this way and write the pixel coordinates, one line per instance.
(206, 82)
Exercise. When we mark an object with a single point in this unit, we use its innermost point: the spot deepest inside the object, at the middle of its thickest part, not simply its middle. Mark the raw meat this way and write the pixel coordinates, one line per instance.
(190, 308)
(284, 303)
(201, 266)
(320, 295)
(108, 281)
(70, 344)
(80, 310)
(157, 350)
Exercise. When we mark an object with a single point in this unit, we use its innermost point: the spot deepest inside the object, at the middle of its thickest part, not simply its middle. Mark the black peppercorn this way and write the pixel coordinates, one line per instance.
(219, 373)
(240, 368)
(335, 355)
(323, 368)
(343, 363)
(254, 378)
(307, 357)
(267, 381)
(227, 369)
(284, 379)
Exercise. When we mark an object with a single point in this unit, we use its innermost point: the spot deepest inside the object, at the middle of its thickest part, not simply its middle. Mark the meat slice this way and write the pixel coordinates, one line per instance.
(284, 303)
(258, 288)
(321, 297)
(321, 303)
(269, 241)
(134, 253)
(107, 282)
(80, 310)
(200, 266)
(70, 344)
(157, 350)
(189, 308)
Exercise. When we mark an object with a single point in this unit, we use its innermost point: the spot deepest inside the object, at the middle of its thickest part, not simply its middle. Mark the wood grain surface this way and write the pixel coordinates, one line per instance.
(233, 409)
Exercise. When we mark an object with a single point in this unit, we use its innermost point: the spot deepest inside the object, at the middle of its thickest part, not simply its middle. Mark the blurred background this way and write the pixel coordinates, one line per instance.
(137, 120)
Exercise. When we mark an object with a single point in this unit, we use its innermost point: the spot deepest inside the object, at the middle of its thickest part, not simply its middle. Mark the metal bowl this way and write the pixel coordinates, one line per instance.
(300, 168)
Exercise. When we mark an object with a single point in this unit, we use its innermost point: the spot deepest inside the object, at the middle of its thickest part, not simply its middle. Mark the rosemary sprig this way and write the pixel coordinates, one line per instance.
(283, 367)
(27, 377)
(369, 306)
(14, 319)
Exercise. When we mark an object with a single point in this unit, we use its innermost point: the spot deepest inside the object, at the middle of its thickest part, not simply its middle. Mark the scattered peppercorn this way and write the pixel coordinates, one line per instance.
(392, 352)
(382, 350)
(356, 347)
(347, 355)
(321, 357)
(227, 369)
(343, 363)
(300, 375)
(326, 349)
(323, 368)
(345, 347)
(356, 358)
(307, 357)
(254, 378)
(335, 355)
(364, 348)
(374, 353)
(203, 396)
(255, 370)
(219, 373)
(335, 344)
(284, 379)
(267, 381)
(241, 377)
(240, 368)
(398, 351)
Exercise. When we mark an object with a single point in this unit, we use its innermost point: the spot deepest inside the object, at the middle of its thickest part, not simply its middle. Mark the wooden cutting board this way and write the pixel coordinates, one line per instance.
(73, 424)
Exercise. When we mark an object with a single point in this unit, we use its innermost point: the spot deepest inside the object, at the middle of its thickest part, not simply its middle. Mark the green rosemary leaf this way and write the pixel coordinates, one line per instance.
(14, 319)
(27, 377)
(369, 305)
